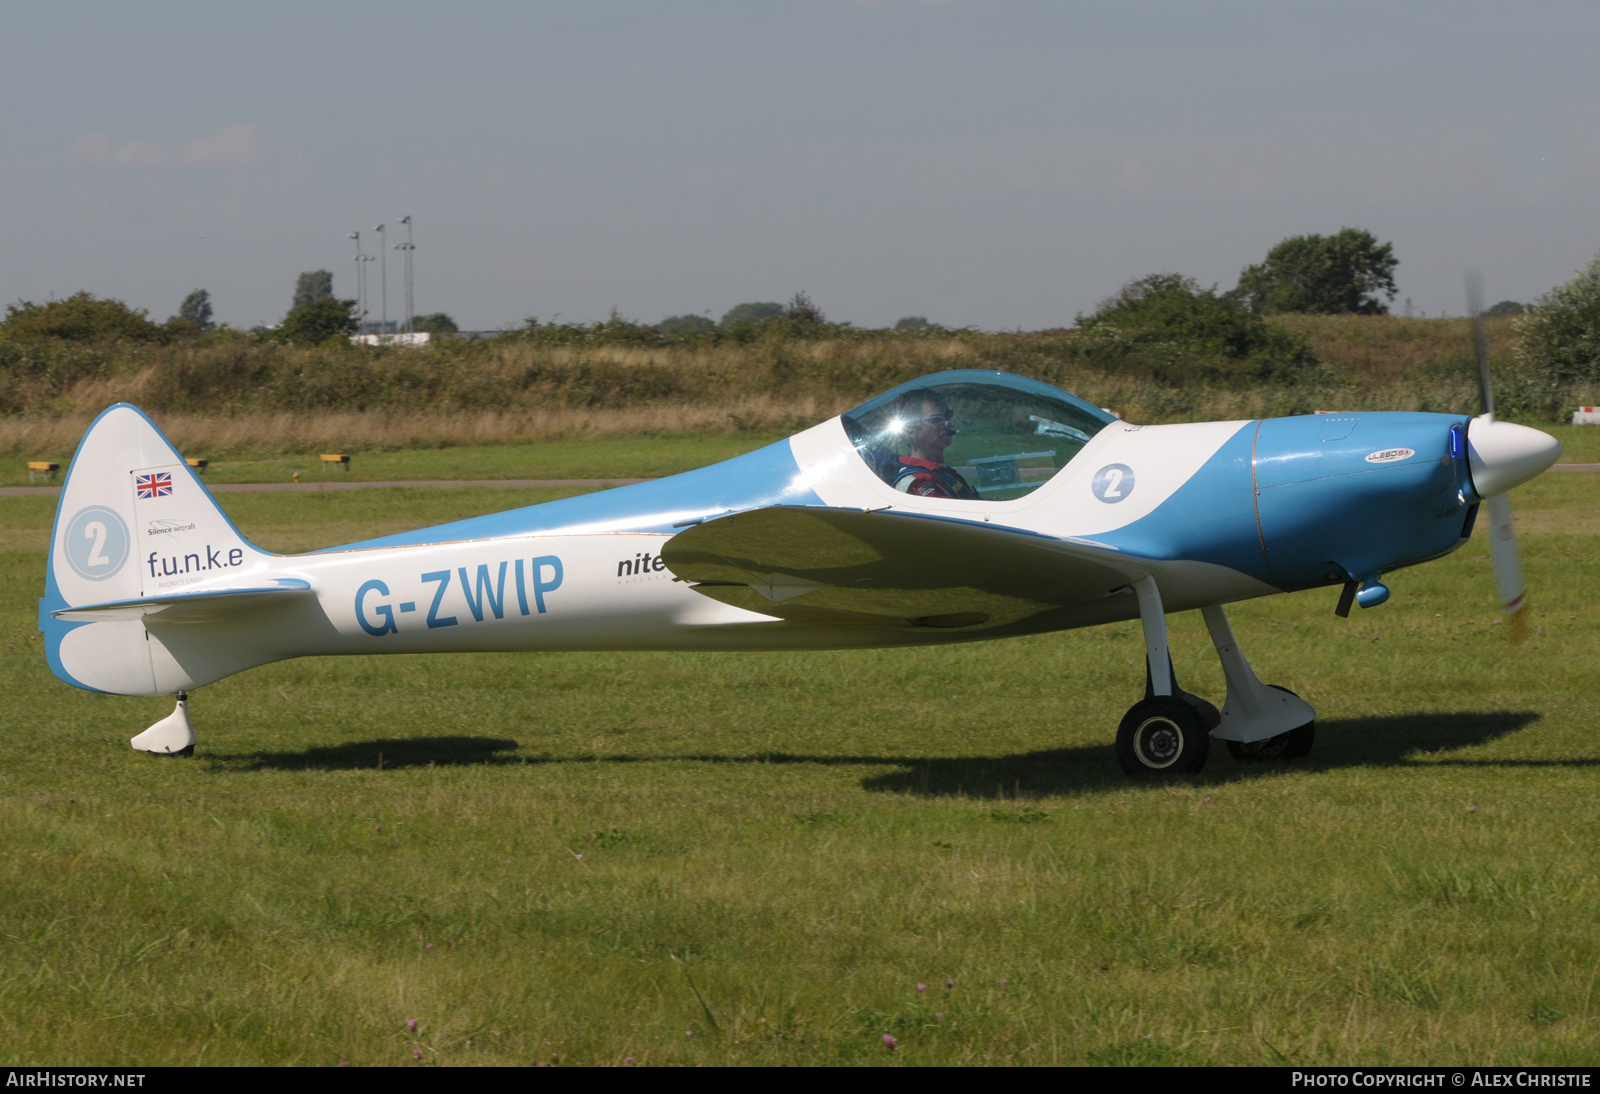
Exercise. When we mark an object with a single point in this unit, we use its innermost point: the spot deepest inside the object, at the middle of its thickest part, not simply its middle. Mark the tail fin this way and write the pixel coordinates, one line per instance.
(134, 523)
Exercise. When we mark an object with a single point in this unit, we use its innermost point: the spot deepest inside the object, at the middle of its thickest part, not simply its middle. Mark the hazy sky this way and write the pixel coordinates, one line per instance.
(990, 164)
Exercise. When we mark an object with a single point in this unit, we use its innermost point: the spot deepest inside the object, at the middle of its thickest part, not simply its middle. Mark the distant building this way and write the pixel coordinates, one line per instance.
(420, 338)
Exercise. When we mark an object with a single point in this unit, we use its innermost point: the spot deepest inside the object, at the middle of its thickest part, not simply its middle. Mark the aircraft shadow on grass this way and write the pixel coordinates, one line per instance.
(1413, 740)
(386, 754)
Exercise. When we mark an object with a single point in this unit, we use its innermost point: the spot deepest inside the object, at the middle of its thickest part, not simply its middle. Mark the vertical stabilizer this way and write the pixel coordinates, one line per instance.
(133, 522)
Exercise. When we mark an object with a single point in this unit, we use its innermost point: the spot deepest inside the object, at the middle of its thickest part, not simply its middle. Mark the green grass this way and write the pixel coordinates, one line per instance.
(581, 458)
(777, 848)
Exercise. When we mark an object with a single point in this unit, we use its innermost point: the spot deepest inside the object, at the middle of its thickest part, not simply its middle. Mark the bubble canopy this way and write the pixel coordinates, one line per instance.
(972, 434)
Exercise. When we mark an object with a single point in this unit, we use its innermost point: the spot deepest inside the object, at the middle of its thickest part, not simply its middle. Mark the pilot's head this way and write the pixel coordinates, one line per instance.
(923, 423)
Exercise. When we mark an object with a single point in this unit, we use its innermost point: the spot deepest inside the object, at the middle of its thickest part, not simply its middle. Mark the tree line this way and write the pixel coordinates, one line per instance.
(315, 316)
(1165, 325)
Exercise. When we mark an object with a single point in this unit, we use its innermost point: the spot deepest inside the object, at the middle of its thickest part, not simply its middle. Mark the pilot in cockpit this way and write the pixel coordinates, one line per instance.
(922, 420)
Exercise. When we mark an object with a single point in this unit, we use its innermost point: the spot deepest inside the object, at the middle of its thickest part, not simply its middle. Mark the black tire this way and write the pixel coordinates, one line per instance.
(1210, 716)
(1273, 748)
(1285, 746)
(1300, 739)
(1162, 737)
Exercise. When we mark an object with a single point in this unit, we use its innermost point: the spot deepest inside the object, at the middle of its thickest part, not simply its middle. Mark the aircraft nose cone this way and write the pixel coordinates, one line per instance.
(1502, 455)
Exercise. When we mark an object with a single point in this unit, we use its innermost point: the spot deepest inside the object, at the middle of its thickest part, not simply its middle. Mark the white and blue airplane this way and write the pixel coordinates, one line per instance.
(966, 505)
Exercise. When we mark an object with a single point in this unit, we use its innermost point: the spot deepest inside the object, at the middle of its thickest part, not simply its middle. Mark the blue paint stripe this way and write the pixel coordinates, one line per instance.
(1210, 518)
(757, 479)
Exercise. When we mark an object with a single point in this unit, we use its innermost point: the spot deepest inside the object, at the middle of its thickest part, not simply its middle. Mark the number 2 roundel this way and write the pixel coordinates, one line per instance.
(1112, 483)
(96, 543)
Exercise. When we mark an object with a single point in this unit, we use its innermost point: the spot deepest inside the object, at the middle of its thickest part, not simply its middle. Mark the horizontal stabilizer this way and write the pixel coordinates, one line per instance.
(812, 564)
(197, 607)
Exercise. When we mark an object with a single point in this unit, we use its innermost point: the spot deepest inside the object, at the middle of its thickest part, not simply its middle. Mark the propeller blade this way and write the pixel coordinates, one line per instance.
(1507, 564)
(1502, 531)
(1475, 309)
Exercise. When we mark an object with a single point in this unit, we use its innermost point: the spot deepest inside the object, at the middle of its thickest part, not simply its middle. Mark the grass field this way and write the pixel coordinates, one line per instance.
(577, 458)
(636, 457)
(763, 858)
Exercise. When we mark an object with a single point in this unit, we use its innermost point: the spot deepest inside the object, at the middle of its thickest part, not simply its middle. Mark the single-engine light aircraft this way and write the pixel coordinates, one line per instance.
(966, 505)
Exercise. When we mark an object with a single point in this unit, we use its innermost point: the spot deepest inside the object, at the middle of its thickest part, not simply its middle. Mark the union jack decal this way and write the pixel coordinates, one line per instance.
(158, 484)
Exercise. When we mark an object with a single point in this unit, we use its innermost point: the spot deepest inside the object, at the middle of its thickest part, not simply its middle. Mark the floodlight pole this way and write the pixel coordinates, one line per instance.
(408, 247)
(361, 281)
(366, 296)
(383, 284)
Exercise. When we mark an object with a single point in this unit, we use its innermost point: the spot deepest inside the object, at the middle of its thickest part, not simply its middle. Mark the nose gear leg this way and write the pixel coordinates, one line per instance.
(1255, 714)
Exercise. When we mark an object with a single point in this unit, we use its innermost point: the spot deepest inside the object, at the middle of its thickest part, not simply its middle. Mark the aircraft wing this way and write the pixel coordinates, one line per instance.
(204, 606)
(825, 565)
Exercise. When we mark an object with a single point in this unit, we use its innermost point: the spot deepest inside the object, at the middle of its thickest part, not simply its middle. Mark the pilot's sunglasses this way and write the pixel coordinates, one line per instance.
(945, 419)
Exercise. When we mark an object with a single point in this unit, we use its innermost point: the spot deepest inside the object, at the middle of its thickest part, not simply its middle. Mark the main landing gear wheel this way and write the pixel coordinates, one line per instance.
(1162, 737)
(1285, 746)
